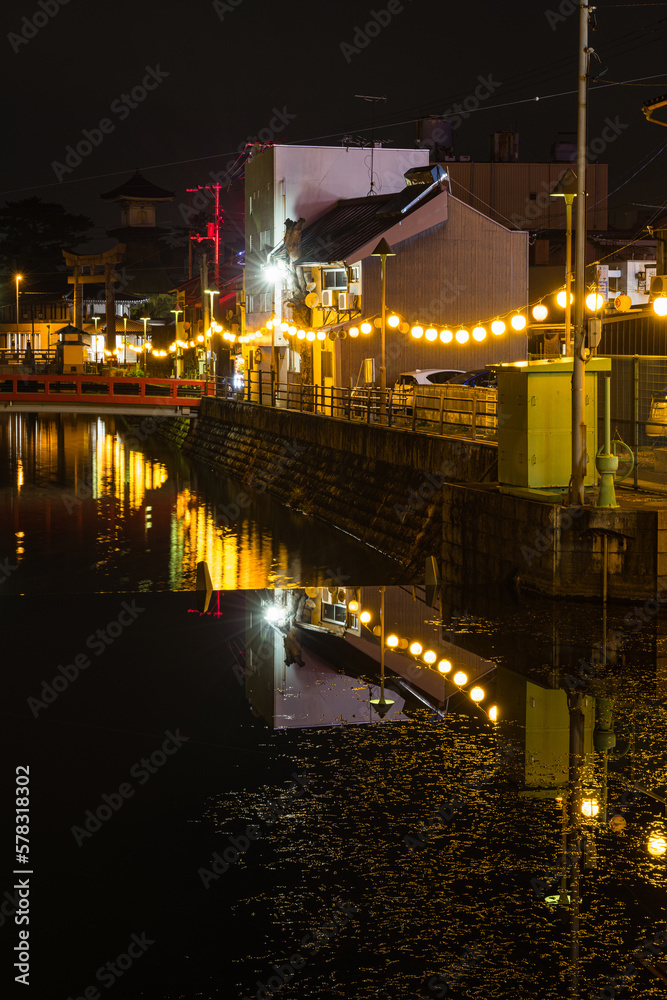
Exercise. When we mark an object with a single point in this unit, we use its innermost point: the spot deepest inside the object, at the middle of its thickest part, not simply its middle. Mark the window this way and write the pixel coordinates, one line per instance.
(354, 273)
(334, 278)
(327, 364)
(265, 239)
(250, 303)
(265, 302)
(337, 613)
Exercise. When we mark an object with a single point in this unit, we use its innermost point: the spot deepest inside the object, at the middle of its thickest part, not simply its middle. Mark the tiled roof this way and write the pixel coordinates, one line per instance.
(355, 222)
(138, 187)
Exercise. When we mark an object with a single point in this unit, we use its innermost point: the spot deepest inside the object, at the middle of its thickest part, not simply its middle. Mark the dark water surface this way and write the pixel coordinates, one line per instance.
(462, 912)
(85, 502)
(181, 847)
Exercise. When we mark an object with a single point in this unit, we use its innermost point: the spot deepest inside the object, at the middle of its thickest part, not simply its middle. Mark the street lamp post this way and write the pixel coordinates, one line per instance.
(144, 320)
(383, 250)
(567, 188)
(125, 339)
(179, 353)
(207, 342)
(19, 277)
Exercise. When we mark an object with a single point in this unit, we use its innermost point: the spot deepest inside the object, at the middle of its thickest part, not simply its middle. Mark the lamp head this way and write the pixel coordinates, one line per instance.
(383, 250)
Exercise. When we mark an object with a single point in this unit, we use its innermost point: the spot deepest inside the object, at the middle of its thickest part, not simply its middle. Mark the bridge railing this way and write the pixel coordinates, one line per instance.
(436, 409)
(92, 388)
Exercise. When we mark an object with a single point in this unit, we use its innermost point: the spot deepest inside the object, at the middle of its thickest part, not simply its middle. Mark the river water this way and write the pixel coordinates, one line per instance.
(188, 843)
(83, 502)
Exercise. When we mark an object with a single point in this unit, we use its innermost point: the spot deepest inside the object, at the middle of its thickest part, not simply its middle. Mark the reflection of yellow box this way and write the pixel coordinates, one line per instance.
(535, 422)
(73, 358)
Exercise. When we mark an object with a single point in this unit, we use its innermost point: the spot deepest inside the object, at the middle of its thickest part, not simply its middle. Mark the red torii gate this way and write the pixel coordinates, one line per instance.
(95, 268)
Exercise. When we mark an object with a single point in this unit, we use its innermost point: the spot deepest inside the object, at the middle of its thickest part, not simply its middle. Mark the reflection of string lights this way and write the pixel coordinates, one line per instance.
(429, 657)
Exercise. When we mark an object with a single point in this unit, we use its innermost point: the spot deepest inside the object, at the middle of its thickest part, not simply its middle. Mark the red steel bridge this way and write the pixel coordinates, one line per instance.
(99, 394)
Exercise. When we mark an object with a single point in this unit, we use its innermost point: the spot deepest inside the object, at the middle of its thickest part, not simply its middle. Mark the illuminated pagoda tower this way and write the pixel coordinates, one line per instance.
(145, 263)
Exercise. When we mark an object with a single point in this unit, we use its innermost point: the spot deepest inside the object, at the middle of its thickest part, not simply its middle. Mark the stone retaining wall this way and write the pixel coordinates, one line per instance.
(381, 485)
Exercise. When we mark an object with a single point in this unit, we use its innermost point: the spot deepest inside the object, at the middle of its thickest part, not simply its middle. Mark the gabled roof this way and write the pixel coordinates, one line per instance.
(140, 188)
(355, 222)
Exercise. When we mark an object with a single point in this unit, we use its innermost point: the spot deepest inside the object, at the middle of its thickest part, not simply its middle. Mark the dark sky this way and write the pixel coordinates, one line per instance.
(227, 70)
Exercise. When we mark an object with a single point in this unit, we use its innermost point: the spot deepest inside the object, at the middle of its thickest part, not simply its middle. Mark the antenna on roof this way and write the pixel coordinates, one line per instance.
(373, 102)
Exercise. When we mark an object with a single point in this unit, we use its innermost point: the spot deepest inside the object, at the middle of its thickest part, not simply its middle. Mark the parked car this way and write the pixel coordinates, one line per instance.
(407, 381)
(656, 425)
(479, 378)
(426, 376)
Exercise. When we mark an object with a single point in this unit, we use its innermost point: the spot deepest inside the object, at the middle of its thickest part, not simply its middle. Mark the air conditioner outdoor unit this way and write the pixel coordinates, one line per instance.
(327, 299)
(345, 301)
(658, 286)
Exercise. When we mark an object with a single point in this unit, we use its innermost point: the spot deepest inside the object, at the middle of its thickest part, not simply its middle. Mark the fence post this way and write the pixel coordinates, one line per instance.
(414, 408)
(442, 409)
(368, 407)
(474, 416)
(390, 393)
(301, 397)
(348, 408)
(332, 399)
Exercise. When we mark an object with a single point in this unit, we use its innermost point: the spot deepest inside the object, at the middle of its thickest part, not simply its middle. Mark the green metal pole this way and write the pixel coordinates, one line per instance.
(635, 400)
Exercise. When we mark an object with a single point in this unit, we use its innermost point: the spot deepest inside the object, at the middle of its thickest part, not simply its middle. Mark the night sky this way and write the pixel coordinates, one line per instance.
(222, 70)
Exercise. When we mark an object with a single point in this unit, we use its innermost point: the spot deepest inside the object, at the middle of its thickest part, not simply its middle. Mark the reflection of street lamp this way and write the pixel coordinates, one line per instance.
(567, 188)
(124, 339)
(19, 277)
(381, 704)
(383, 250)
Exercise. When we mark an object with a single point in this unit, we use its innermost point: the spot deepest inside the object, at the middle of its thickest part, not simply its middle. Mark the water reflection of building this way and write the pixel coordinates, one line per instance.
(316, 692)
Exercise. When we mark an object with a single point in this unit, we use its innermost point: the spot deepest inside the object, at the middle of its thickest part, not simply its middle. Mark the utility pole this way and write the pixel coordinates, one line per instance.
(578, 368)
(214, 230)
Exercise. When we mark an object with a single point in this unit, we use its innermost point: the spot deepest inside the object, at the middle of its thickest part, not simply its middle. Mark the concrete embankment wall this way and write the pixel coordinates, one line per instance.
(380, 485)
(490, 537)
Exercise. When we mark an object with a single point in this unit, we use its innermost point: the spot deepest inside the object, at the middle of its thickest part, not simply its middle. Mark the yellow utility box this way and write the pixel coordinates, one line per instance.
(535, 422)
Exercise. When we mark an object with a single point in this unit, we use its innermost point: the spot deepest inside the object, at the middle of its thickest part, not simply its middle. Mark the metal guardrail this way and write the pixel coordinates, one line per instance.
(432, 409)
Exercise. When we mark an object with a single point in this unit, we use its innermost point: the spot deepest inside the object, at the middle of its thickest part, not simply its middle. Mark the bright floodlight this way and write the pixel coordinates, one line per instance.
(540, 312)
(518, 322)
(460, 678)
(660, 306)
(273, 272)
(274, 614)
(444, 666)
(497, 327)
